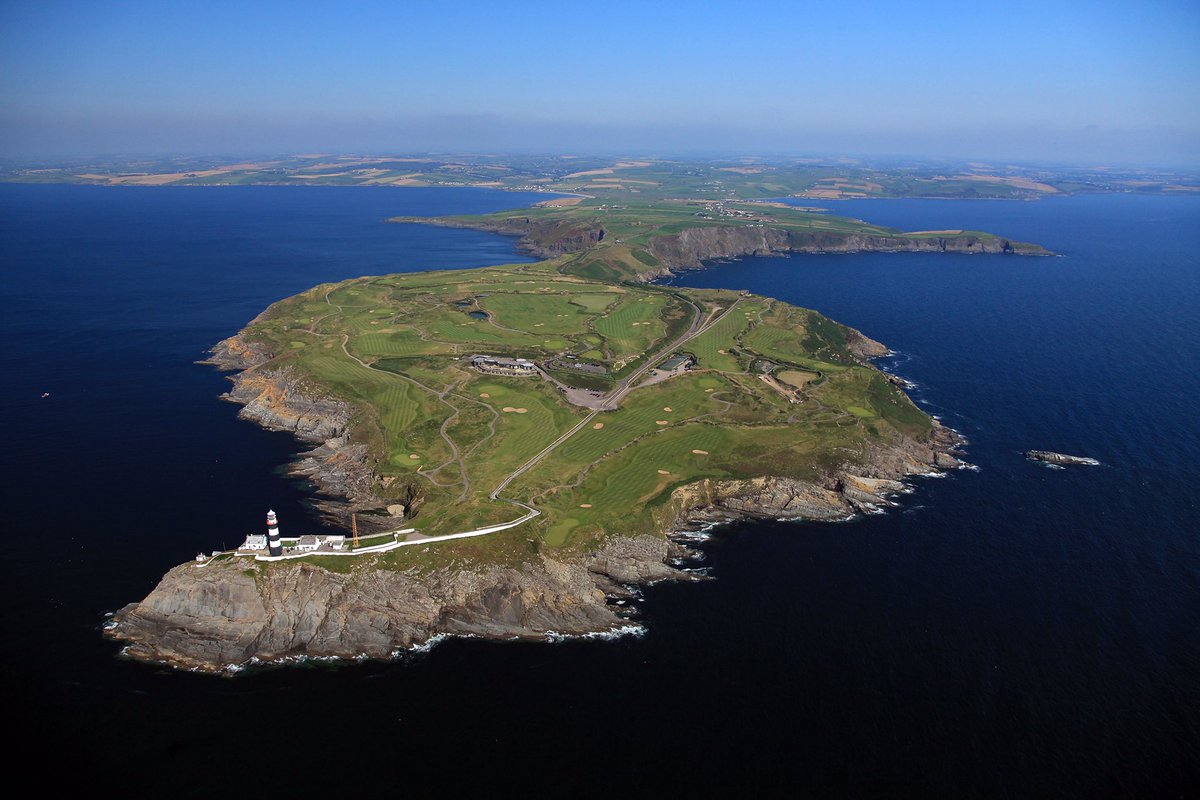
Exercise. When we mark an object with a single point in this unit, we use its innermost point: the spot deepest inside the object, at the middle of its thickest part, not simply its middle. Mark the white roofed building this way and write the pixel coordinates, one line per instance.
(307, 543)
(496, 365)
(255, 541)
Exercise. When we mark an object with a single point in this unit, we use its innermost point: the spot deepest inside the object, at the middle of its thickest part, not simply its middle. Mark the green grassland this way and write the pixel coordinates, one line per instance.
(623, 179)
(443, 435)
(604, 240)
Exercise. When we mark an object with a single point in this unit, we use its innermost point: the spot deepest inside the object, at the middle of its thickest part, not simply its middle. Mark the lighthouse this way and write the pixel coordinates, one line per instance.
(273, 545)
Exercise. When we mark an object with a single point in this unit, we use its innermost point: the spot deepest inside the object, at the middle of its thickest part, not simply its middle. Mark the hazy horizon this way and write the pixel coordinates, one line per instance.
(1061, 82)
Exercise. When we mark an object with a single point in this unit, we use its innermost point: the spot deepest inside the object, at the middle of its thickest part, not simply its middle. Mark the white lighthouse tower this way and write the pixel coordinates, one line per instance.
(273, 545)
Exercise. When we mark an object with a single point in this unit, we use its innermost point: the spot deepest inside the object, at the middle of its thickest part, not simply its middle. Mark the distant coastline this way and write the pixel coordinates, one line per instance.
(609, 178)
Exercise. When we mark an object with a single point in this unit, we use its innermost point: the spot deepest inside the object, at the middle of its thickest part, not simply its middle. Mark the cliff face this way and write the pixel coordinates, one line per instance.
(208, 618)
(689, 248)
(276, 400)
(232, 612)
(837, 496)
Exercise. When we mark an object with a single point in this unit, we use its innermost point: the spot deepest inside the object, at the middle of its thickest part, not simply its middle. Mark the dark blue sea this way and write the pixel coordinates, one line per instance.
(1013, 631)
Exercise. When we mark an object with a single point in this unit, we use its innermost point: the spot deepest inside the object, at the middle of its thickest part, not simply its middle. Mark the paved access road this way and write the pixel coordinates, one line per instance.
(613, 399)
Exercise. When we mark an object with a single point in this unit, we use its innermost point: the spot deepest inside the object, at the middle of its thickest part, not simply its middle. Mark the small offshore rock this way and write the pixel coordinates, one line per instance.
(1060, 459)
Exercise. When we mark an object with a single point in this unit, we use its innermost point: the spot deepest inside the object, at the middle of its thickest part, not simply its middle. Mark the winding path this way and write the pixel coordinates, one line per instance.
(613, 399)
(610, 402)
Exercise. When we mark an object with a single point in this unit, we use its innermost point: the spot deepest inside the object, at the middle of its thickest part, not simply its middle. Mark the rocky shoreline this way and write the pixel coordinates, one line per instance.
(224, 616)
(691, 248)
(230, 613)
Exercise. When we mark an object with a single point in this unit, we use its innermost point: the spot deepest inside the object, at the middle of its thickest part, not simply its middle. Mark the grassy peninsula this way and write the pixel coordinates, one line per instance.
(775, 389)
(606, 414)
(640, 239)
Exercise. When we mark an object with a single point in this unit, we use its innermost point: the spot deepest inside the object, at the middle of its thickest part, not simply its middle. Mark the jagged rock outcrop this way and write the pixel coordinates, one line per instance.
(231, 612)
(278, 401)
(1060, 459)
(235, 353)
(863, 346)
(342, 469)
(862, 487)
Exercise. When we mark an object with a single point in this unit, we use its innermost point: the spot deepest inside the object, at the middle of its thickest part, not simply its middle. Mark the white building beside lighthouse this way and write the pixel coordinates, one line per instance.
(255, 541)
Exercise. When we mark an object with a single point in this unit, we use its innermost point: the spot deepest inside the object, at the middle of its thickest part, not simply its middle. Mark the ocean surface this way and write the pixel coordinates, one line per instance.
(1012, 631)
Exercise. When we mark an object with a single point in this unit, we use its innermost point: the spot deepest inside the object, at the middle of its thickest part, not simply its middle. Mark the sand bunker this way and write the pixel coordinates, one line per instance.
(414, 455)
(598, 426)
(585, 505)
(708, 390)
(700, 452)
(661, 422)
(484, 394)
(663, 472)
(666, 408)
(511, 410)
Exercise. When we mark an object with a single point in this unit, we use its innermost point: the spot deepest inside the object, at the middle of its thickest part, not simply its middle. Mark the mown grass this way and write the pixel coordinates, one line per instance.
(631, 327)
(707, 346)
(414, 333)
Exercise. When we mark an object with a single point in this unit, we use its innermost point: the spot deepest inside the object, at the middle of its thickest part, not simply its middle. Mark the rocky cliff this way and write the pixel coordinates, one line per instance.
(238, 611)
(341, 468)
(691, 247)
(234, 612)
(840, 495)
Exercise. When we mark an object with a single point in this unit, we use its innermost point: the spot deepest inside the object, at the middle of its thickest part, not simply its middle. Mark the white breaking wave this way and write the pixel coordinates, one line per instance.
(637, 631)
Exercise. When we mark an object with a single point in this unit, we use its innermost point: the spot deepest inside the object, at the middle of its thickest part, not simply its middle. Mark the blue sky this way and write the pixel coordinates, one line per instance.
(1083, 81)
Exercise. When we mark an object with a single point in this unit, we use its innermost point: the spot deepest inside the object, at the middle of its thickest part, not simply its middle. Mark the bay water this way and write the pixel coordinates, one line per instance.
(1009, 631)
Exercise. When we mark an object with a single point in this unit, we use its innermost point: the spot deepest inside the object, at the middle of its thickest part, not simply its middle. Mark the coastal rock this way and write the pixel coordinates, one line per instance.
(341, 468)
(1060, 459)
(276, 400)
(236, 353)
(234, 611)
(639, 559)
(835, 497)
(865, 347)
(946, 461)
